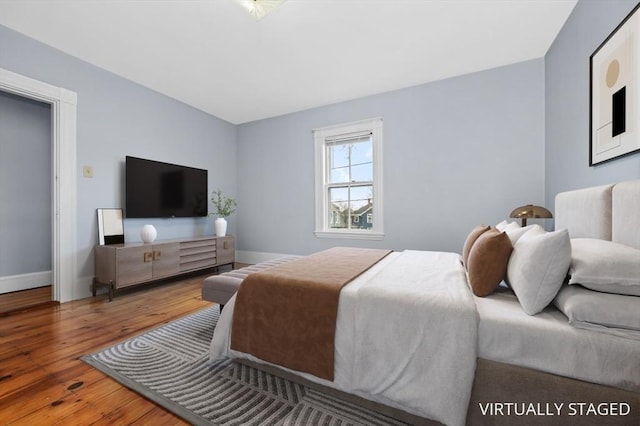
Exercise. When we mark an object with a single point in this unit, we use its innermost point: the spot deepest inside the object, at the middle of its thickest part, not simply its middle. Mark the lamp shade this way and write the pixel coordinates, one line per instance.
(530, 211)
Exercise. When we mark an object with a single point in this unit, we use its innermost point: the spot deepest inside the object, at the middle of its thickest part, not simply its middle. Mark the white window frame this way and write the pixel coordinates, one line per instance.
(322, 136)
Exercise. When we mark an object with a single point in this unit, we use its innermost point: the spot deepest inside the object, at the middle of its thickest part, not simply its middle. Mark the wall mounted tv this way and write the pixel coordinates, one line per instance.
(156, 189)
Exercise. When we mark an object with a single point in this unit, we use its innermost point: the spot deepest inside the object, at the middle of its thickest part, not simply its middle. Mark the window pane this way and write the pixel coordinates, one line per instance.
(361, 207)
(362, 172)
(338, 208)
(351, 161)
(362, 161)
(338, 163)
(361, 195)
(351, 207)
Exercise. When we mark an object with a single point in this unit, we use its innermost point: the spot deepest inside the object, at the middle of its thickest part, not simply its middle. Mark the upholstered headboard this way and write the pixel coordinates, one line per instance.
(607, 212)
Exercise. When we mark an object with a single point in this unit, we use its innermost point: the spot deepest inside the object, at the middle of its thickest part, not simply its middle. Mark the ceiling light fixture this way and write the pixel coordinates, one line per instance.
(260, 8)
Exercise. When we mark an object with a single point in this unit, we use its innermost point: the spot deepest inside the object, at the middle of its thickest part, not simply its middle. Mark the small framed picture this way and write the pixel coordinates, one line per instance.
(110, 226)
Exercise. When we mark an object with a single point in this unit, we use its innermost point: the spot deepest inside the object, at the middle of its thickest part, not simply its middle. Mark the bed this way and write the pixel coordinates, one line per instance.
(562, 353)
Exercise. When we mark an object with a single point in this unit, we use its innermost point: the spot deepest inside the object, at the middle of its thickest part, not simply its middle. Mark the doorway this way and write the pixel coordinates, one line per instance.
(25, 192)
(63, 189)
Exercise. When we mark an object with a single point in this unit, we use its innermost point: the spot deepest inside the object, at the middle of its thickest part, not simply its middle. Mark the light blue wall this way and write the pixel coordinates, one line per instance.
(25, 186)
(117, 118)
(567, 101)
(457, 153)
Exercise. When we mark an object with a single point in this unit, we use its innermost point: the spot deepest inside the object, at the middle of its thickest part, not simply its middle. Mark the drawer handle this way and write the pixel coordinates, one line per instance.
(156, 255)
(225, 245)
(148, 256)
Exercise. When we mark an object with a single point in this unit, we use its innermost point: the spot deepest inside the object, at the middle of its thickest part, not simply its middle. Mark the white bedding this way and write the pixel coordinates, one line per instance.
(406, 336)
(547, 342)
(616, 314)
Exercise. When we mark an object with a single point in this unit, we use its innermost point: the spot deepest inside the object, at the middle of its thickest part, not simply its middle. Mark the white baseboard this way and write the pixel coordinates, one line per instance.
(25, 281)
(253, 257)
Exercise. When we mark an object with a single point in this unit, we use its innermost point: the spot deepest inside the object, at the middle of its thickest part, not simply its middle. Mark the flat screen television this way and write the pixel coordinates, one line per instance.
(156, 189)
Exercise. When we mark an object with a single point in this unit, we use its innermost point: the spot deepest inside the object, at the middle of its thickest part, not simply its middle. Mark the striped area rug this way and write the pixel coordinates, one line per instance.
(170, 365)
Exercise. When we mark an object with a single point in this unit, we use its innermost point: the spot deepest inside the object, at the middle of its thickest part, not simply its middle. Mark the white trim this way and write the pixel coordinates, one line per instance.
(63, 134)
(351, 234)
(321, 135)
(253, 257)
(355, 127)
(25, 281)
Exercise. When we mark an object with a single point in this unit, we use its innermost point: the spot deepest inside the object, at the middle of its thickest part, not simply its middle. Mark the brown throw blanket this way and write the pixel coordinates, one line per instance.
(287, 314)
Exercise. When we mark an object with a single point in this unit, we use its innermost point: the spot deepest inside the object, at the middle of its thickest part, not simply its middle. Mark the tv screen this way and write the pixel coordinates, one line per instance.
(156, 189)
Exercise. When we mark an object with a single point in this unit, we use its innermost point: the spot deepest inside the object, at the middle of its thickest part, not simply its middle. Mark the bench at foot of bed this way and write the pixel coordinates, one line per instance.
(221, 287)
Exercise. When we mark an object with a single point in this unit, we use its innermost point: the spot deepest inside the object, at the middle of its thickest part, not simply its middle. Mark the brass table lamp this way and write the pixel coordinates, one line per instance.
(530, 211)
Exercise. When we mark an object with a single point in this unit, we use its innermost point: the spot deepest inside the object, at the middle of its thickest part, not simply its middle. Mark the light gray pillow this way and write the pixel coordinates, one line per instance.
(538, 266)
(604, 312)
(605, 266)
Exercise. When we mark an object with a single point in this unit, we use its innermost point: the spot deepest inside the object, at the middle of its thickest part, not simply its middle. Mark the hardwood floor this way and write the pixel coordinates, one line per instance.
(17, 300)
(43, 381)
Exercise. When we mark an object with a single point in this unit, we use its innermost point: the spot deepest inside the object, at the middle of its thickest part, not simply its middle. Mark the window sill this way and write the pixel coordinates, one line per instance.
(367, 235)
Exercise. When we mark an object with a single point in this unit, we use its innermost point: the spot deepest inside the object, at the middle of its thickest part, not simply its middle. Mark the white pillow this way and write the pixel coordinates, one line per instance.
(504, 225)
(605, 266)
(538, 266)
(604, 312)
(514, 233)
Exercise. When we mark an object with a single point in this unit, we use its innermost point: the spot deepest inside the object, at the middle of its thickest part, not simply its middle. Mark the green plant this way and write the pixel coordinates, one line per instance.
(224, 206)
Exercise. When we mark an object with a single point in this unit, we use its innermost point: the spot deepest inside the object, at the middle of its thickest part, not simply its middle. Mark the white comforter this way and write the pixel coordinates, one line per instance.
(547, 342)
(406, 336)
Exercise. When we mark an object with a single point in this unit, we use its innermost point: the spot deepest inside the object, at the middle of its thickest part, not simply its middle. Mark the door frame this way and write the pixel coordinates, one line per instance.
(63, 134)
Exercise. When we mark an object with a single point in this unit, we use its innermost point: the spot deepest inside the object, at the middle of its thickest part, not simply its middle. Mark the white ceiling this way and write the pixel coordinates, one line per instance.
(214, 56)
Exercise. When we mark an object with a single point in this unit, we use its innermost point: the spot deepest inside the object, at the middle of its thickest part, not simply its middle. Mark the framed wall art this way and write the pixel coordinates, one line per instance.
(615, 93)
(110, 226)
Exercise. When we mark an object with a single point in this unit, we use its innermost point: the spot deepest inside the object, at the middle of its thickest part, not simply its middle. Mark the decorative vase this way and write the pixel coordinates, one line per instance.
(221, 226)
(148, 233)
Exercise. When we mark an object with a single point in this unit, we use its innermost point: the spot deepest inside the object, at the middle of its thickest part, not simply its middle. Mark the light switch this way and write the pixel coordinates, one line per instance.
(87, 171)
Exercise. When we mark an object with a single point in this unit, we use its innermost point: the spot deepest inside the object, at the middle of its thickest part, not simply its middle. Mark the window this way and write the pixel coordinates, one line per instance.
(349, 180)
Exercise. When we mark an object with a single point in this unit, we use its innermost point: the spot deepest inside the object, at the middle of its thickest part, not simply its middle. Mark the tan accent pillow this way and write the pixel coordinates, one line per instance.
(471, 238)
(488, 260)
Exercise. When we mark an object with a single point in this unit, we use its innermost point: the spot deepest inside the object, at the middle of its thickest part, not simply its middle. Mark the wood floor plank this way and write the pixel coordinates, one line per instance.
(42, 379)
(64, 406)
(33, 398)
(160, 417)
(20, 379)
(126, 409)
(84, 414)
(18, 300)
